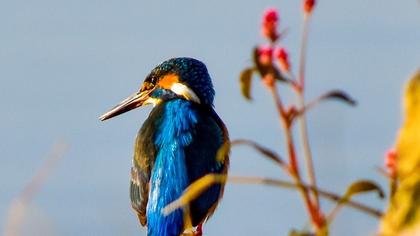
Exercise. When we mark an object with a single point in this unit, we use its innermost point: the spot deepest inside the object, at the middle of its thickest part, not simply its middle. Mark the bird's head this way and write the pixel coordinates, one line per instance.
(184, 78)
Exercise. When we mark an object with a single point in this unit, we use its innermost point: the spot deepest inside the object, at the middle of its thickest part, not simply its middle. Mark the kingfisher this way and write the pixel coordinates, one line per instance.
(177, 144)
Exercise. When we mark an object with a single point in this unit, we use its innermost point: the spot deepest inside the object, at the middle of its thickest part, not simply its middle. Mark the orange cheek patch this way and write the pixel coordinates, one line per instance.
(168, 80)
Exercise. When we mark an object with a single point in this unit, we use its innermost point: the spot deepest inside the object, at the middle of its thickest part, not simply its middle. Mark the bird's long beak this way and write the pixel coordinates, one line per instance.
(130, 103)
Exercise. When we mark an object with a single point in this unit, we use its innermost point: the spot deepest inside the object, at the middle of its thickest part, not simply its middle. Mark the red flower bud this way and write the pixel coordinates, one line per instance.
(283, 59)
(269, 24)
(391, 162)
(308, 6)
(265, 55)
(271, 15)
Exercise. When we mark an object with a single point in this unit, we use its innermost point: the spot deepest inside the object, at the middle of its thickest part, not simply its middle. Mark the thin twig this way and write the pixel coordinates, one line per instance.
(289, 185)
(302, 119)
(202, 184)
(303, 46)
(18, 206)
(331, 216)
(307, 149)
(294, 167)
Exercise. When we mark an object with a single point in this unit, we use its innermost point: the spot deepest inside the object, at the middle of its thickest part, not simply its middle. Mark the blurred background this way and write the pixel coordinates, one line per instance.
(64, 63)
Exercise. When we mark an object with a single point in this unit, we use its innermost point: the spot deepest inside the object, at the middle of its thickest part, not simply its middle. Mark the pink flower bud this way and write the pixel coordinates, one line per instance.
(283, 59)
(270, 15)
(391, 161)
(265, 55)
(308, 6)
(269, 24)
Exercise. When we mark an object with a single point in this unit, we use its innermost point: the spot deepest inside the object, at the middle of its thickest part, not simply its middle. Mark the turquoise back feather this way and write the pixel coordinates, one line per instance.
(169, 175)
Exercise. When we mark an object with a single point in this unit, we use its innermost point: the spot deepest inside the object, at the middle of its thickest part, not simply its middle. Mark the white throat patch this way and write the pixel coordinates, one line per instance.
(184, 91)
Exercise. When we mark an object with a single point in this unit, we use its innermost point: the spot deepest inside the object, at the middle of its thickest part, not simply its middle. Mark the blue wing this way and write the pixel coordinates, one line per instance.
(209, 135)
(177, 145)
(143, 162)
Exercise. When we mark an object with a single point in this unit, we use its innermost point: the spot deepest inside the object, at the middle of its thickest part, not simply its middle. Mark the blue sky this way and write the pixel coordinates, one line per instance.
(63, 63)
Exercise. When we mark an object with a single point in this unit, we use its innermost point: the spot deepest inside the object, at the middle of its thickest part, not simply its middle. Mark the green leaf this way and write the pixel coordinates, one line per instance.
(245, 80)
(339, 95)
(362, 186)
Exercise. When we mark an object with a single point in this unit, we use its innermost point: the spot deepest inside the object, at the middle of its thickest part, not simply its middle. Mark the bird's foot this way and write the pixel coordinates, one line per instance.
(198, 230)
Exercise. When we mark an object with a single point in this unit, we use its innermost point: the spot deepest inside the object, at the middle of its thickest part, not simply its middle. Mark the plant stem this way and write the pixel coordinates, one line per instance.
(303, 45)
(202, 184)
(285, 184)
(307, 149)
(18, 208)
(313, 211)
(302, 119)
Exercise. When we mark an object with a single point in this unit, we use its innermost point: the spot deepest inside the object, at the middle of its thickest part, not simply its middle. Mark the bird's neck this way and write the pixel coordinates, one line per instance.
(169, 175)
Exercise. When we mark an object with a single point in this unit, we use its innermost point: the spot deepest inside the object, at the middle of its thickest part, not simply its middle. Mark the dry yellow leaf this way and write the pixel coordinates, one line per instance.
(403, 215)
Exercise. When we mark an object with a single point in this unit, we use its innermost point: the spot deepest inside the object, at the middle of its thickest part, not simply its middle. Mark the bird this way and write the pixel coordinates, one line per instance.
(177, 144)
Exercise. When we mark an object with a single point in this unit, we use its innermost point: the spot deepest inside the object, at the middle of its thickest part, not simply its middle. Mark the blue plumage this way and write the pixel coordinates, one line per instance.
(169, 178)
(177, 144)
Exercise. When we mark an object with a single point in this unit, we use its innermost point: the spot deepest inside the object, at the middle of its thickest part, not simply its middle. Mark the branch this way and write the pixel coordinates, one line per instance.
(202, 184)
(18, 206)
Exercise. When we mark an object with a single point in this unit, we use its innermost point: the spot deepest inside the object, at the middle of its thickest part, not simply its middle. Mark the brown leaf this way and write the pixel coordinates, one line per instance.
(245, 81)
(339, 95)
(261, 149)
(362, 186)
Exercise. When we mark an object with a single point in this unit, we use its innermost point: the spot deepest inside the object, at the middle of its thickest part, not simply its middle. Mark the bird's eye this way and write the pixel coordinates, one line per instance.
(153, 80)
